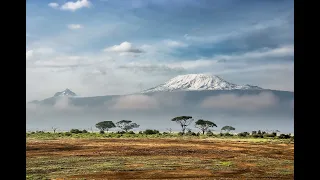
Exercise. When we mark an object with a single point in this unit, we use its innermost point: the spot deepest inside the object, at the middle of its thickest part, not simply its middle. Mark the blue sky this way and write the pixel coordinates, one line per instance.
(122, 46)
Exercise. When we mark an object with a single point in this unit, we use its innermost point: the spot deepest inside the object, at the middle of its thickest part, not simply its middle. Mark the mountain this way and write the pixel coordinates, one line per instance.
(52, 100)
(193, 87)
(198, 82)
(66, 92)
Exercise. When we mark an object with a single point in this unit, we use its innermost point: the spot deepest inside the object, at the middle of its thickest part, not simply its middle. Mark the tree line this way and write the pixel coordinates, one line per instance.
(183, 121)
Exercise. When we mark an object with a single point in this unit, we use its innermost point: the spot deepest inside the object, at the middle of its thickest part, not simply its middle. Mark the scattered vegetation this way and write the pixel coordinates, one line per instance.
(184, 121)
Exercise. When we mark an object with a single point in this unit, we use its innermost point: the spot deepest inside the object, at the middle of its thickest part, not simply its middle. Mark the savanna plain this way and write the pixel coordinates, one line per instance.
(137, 156)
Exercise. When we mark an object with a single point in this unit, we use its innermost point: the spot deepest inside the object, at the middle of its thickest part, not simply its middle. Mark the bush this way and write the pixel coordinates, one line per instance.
(257, 135)
(75, 131)
(190, 133)
(270, 135)
(243, 134)
(209, 133)
(68, 134)
(84, 131)
(121, 132)
(150, 131)
(32, 132)
(284, 136)
(226, 134)
(130, 132)
(101, 132)
(180, 133)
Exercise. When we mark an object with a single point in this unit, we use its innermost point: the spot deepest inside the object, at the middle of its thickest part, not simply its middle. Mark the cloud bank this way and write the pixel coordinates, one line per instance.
(244, 102)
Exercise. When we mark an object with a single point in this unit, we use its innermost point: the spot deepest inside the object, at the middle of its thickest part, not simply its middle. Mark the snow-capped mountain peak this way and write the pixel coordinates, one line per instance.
(198, 82)
(66, 92)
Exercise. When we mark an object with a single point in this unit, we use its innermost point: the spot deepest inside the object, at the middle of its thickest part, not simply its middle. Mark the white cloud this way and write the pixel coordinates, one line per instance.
(73, 6)
(53, 5)
(124, 47)
(254, 56)
(235, 33)
(45, 50)
(75, 26)
(29, 54)
(244, 102)
(34, 53)
(62, 103)
(172, 43)
(135, 102)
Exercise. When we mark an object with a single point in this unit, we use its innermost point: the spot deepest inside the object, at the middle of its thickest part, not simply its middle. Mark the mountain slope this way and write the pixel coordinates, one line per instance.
(198, 82)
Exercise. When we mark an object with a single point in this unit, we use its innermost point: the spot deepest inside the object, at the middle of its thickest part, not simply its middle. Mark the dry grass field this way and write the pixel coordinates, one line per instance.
(159, 158)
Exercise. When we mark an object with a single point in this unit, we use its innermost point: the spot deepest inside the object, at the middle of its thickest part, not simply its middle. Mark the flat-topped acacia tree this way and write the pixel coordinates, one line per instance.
(184, 121)
(126, 125)
(105, 125)
(204, 125)
(228, 128)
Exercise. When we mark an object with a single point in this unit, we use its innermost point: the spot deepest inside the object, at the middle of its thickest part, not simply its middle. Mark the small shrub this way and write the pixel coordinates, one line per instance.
(180, 134)
(190, 133)
(284, 136)
(32, 132)
(243, 134)
(150, 131)
(121, 132)
(68, 134)
(226, 134)
(209, 133)
(130, 132)
(254, 132)
(257, 136)
(270, 135)
(75, 131)
(84, 131)
(101, 132)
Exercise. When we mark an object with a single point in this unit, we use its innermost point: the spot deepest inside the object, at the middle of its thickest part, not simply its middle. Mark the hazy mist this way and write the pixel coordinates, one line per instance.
(265, 110)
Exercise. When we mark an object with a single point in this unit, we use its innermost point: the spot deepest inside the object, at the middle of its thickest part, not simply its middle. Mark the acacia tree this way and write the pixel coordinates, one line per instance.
(204, 125)
(170, 130)
(126, 125)
(105, 125)
(184, 121)
(228, 128)
(54, 129)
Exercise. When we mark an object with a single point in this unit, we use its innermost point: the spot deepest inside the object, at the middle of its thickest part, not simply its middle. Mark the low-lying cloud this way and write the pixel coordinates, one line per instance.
(135, 102)
(244, 102)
